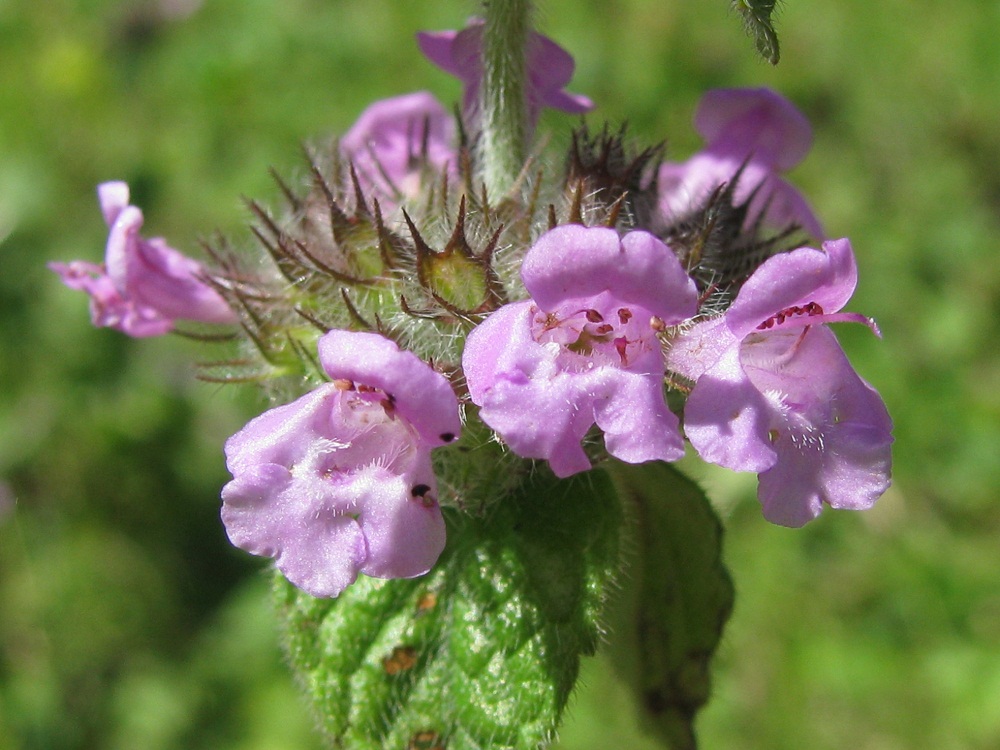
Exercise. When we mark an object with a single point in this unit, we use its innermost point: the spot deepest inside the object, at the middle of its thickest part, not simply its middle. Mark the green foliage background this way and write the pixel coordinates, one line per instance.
(126, 621)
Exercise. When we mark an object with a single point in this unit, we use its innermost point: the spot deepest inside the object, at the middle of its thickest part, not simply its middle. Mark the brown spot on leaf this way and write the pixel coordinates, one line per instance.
(401, 659)
(427, 602)
(426, 740)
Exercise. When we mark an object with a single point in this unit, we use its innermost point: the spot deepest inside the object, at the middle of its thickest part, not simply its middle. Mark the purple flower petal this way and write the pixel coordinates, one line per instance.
(584, 350)
(699, 347)
(108, 309)
(550, 69)
(421, 395)
(757, 122)
(339, 482)
(636, 422)
(437, 47)
(725, 418)
(575, 261)
(405, 534)
(144, 285)
(514, 380)
(829, 428)
(826, 277)
(113, 197)
(775, 394)
(263, 511)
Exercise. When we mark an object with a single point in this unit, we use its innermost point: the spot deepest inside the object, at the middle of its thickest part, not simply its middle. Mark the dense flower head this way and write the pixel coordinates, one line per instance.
(549, 69)
(143, 285)
(583, 350)
(775, 394)
(753, 135)
(339, 482)
(395, 140)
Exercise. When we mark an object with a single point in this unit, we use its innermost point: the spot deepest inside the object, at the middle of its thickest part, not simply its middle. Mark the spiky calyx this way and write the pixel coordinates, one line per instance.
(719, 248)
(610, 180)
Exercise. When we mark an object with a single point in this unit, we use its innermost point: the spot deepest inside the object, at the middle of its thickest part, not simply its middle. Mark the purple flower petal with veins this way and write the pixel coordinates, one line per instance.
(584, 350)
(144, 285)
(339, 482)
(549, 69)
(775, 394)
(755, 129)
(395, 139)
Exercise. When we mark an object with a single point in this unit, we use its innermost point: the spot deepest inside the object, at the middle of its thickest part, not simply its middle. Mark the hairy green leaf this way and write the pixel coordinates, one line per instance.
(677, 597)
(483, 651)
(757, 19)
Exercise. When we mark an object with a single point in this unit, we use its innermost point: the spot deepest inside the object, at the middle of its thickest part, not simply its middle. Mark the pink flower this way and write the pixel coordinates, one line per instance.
(339, 482)
(583, 350)
(395, 139)
(143, 285)
(775, 393)
(549, 68)
(756, 129)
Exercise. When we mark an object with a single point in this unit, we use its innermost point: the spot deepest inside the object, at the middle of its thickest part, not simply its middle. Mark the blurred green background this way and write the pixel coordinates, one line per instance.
(126, 621)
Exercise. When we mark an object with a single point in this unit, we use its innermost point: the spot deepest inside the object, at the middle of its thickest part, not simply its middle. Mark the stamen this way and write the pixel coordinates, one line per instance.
(389, 406)
(809, 309)
(620, 344)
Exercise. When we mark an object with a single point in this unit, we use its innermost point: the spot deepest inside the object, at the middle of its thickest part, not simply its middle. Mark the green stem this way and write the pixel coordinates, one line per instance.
(503, 144)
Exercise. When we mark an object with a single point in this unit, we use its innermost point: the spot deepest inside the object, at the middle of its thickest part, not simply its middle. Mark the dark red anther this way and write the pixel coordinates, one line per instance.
(624, 315)
(594, 317)
(620, 344)
(551, 321)
(604, 329)
(809, 309)
(389, 406)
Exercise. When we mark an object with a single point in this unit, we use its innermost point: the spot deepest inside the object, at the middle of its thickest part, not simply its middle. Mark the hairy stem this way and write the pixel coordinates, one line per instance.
(502, 95)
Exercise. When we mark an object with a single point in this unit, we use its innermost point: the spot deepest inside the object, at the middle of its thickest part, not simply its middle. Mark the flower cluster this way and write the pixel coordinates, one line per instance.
(614, 310)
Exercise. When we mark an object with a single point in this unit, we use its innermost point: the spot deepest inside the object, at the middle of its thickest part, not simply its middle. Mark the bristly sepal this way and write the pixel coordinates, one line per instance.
(457, 275)
(717, 245)
(606, 176)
